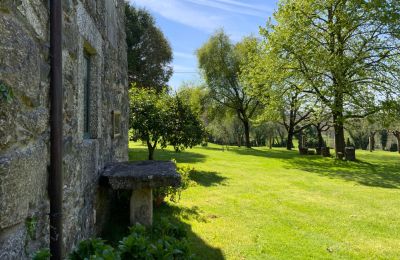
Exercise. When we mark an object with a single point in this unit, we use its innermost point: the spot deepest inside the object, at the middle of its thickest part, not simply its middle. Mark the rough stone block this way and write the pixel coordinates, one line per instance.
(12, 243)
(23, 182)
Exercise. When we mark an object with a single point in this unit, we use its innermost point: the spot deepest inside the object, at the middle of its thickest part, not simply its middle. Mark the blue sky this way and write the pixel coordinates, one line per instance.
(188, 24)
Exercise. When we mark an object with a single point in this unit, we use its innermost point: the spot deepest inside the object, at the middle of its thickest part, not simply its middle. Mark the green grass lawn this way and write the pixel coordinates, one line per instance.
(274, 204)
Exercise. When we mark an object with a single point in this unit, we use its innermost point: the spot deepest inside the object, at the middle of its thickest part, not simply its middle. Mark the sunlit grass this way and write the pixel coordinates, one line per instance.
(274, 204)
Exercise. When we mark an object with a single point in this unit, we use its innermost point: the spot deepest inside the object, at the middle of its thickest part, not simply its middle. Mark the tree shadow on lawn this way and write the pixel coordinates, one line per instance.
(118, 225)
(384, 174)
(206, 178)
(138, 154)
(199, 247)
(272, 153)
(222, 148)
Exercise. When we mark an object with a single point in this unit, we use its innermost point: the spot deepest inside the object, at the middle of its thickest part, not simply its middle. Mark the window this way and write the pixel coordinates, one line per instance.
(116, 119)
(86, 96)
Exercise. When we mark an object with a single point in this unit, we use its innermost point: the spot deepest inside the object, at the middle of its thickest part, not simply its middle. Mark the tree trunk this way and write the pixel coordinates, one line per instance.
(289, 144)
(397, 135)
(372, 142)
(339, 134)
(247, 133)
(270, 142)
(151, 149)
(320, 138)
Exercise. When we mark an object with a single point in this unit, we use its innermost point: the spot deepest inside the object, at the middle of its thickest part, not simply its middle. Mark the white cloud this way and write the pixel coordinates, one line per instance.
(185, 14)
(246, 5)
(234, 7)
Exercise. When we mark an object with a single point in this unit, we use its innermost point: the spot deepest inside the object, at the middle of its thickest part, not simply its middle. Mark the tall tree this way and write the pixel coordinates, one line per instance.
(346, 52)
(149, 52)
(220, 61)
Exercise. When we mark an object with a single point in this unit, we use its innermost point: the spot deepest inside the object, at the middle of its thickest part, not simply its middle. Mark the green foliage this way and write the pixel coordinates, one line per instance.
(6, 94)
(186, 129)
(149, 52)
(196, 96)
(150, 115)
(344, 53)
(158, 118)
(165, 240)
(174, 193)
(42, 254)
(92, 249)
(220, 60)
(31, 225)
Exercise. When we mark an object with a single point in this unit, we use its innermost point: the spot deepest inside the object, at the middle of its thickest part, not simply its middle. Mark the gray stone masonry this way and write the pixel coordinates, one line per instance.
(90, 27)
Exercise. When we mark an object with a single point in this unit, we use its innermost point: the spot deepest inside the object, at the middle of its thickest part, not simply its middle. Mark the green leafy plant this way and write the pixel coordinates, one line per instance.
(164, 240)
(159, 119)
(94, 249)
(174, 193)
(6, 93)
(42, 254)
(31, 224)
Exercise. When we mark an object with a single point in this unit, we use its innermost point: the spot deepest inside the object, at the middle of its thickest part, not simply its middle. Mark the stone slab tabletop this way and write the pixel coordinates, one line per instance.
(141, 175)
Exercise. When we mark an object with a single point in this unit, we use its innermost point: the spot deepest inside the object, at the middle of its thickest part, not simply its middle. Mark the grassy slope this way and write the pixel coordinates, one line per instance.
(275, 204)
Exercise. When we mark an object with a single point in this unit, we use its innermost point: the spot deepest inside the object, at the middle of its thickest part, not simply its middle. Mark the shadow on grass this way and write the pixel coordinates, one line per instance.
(275, 154)
(117, 226)
(207, 179)
(385, 174)
(138, 154)
(221, 148)
(199, 247)
(382, 172)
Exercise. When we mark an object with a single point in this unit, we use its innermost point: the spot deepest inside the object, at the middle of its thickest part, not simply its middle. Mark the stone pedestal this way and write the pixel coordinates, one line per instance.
(141, 207)
(141, 177)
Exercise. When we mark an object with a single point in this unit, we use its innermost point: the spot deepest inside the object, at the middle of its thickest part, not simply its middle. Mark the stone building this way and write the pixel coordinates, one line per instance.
(95, 115)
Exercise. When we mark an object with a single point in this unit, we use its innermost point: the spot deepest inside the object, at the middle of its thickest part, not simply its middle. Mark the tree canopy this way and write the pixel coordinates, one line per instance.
(344, 52)
(220, 61)
(159, 119)
(149, 52)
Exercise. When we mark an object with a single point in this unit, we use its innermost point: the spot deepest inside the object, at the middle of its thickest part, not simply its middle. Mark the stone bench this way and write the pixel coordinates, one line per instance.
(141, 177)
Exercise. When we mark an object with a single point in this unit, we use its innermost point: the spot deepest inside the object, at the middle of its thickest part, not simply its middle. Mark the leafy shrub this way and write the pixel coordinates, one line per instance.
(94, 249)
(174, 193)
(165, 240)
(42, 254)
(30, 224)
(135, 245)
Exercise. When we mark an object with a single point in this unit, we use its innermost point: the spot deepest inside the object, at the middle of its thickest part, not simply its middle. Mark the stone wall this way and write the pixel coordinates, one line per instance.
(89, 26)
